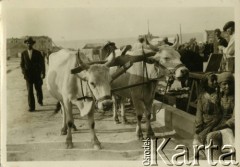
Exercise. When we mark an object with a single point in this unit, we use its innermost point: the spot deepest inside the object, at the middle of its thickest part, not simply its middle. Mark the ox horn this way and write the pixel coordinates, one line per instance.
(82, 64)
(110, 59)
(176, 43)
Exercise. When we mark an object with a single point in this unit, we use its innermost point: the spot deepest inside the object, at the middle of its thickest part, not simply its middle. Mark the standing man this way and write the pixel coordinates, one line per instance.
(220, 40)
(229, 51)
(33, 69)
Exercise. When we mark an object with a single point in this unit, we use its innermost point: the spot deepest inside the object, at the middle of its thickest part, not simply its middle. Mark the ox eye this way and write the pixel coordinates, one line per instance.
(92, 84)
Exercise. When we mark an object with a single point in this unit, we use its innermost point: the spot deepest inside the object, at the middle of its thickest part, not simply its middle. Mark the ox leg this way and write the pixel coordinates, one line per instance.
(139, 127)
(139, 107)
(91, 123)
(115, 108)
(68, 110)
(148, 110)
(64, 125)
(74, 127)
(124, 119)
(150, 133)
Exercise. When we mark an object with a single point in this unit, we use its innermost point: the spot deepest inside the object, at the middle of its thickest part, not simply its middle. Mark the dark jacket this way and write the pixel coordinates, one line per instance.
(32, 69)
(222, 41)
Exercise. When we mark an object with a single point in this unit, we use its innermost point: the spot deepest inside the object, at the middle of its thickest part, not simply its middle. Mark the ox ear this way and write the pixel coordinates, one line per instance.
(154, 59)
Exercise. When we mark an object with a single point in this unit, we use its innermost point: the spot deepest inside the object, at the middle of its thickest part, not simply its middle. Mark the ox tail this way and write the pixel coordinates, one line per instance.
(58, 108)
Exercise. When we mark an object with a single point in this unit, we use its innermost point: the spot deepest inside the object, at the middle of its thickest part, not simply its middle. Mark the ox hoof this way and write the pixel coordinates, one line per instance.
(63, 131)
(140, 137)
(97, 147)
(124, 120)
(117, 121)
(74, 127)
(151, 135)
(69, 145)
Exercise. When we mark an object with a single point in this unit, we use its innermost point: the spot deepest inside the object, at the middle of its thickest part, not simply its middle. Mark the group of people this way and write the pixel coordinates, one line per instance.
(219, 45)
(215, 111)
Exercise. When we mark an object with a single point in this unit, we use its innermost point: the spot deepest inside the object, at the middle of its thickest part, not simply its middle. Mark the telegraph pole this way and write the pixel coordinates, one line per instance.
(180, 33)
(148, 26)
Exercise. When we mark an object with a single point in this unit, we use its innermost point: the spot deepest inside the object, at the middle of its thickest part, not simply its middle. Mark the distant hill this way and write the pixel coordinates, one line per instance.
(79, 44)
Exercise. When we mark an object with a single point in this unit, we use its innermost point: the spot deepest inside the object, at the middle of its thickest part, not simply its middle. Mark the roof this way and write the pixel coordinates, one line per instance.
(93, 46)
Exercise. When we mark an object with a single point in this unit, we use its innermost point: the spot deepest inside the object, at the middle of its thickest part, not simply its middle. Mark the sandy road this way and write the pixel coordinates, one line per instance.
(35, 136)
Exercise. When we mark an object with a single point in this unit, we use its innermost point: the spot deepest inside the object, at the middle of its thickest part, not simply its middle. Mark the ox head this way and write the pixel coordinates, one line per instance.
(168, 58)
(98, 79)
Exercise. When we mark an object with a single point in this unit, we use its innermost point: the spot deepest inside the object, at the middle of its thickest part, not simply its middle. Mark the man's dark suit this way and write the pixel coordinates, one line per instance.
(33, 69)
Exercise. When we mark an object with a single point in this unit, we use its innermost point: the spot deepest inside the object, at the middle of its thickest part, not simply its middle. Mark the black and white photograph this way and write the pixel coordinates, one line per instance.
(119, 83)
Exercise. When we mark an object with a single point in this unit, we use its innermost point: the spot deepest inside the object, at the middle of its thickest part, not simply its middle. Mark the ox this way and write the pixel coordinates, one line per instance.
(83, 89)
(165, 62)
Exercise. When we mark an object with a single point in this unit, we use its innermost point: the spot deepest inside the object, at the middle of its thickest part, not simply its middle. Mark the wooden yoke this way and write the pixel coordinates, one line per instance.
(119, 61)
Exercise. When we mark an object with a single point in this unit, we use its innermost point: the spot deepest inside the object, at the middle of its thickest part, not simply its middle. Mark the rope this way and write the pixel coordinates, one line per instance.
(81, 81)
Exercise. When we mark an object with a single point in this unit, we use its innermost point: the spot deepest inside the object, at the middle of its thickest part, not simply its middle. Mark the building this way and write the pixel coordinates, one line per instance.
(209, 37)
(16, 45)
(94, 51)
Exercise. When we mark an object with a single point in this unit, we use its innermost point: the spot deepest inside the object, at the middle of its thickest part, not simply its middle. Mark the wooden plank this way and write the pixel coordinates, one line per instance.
(214, 63)
(176, 119)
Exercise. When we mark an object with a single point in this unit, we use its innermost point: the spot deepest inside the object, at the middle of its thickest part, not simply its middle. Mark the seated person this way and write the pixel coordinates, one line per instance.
(208, 108)
(223, 133)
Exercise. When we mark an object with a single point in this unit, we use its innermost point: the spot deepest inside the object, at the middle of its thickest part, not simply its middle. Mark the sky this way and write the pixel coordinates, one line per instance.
(80, 22)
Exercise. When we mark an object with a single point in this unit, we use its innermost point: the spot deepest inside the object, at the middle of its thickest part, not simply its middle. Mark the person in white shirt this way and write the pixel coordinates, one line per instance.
(229, 51)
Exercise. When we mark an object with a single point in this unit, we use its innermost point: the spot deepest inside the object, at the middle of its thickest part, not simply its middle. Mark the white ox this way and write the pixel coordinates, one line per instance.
(92, 85)
(166, 61)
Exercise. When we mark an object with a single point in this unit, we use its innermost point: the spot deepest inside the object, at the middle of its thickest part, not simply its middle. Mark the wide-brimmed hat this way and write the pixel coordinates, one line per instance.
(225, 77)
(228, 25)
(29, 40)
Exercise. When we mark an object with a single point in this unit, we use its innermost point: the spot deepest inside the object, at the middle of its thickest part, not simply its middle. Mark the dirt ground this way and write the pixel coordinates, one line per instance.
(35, 136)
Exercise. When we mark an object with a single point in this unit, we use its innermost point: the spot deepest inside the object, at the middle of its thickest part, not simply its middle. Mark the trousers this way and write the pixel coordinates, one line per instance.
(38, 88)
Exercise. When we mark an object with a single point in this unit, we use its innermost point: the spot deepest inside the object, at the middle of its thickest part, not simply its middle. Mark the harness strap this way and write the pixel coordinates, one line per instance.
(85, 97)
(82, 89)
(78, 59)
(145, 64)
(145, 70)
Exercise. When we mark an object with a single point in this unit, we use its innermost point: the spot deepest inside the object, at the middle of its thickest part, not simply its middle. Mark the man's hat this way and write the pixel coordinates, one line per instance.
(29, 40)
(228, 25)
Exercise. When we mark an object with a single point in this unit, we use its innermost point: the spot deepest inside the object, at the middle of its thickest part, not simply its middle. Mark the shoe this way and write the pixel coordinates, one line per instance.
(31, 109)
